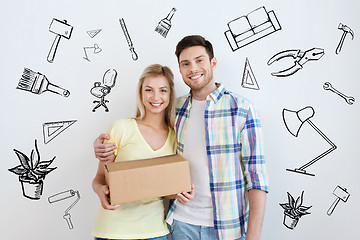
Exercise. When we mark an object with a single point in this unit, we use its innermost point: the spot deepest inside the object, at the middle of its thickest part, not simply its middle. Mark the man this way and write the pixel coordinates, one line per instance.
(219, 133)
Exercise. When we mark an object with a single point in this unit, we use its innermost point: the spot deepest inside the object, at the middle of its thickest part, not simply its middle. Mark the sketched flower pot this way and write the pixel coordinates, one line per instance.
(32, 190)
(290, 221)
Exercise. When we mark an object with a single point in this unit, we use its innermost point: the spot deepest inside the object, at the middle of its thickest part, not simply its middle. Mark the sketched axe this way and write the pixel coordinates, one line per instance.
(346, 30)
(61, 29)
(341, 194)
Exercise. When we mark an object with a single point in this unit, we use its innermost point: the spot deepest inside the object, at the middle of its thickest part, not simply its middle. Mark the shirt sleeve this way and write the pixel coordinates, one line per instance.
(252, 152)
(116, 134)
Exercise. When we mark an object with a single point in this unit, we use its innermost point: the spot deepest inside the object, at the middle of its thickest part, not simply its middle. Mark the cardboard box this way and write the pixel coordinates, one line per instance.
(147, 178)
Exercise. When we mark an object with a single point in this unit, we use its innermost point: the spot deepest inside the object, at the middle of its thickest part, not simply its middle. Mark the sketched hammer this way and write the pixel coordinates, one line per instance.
(61, 29)
(346, 30)
(341, 194)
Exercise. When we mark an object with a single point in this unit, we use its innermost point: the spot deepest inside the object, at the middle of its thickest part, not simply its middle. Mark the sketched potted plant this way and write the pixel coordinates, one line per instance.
(32, 172)
(293, 210)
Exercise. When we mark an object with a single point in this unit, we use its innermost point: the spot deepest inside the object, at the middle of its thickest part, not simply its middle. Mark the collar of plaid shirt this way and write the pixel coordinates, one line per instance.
(234, 147)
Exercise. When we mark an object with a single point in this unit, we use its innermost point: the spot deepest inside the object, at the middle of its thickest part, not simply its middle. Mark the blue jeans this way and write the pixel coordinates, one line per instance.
(185, 231)
(156, 238)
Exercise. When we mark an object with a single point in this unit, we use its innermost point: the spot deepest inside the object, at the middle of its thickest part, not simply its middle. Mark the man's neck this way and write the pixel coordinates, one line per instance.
(201, 94)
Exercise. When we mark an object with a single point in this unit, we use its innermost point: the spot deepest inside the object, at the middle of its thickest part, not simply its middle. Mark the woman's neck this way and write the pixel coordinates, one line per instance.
(156, 121)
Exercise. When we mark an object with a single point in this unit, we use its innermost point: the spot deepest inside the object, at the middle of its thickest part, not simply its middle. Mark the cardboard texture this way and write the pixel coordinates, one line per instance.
(136, 180)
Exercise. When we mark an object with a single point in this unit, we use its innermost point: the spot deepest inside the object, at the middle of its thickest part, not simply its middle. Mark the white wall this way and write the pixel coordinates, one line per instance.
(26, 41)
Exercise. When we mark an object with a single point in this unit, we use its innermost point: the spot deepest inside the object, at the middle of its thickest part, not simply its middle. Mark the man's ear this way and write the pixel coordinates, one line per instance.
(213, 63)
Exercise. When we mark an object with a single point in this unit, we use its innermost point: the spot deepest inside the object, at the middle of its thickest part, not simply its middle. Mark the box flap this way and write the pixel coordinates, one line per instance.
(133, 164)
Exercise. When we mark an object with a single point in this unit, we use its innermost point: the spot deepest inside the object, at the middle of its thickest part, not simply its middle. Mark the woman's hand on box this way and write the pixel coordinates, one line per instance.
(185, 197)
(103, 194)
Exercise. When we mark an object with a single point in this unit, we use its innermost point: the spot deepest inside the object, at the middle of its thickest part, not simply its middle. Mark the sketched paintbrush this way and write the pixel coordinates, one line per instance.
(37, 83)
(128, 39)
(165, 24)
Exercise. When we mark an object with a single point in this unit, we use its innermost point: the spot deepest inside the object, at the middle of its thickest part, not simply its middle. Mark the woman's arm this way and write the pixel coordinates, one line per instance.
(99, 185)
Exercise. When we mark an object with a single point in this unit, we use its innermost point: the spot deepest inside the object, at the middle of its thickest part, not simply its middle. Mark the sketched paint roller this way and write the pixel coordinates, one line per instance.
(62, 196)
(37, 83)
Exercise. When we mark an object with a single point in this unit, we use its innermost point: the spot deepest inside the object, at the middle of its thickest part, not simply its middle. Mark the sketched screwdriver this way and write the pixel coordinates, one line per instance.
(128, 39)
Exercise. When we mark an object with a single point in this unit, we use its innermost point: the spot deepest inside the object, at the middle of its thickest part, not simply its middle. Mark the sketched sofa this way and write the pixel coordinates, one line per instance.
(251, 27)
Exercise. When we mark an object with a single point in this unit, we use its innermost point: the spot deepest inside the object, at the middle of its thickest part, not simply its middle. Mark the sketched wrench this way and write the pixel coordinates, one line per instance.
(350, 100)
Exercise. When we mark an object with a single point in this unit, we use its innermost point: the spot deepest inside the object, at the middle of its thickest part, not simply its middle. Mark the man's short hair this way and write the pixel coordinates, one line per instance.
(191, 41)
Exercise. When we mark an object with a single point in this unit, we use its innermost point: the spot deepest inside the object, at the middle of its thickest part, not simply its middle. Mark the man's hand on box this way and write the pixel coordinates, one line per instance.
(103, 194)
(185, 197)
(103, 151)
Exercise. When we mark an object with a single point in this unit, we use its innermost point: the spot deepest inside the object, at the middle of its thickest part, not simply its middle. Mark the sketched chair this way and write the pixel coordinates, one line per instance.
(100, 91)
(294, 120)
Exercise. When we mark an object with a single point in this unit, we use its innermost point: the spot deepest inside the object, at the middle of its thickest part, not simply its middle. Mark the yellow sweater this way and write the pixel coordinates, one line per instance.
(141, 219)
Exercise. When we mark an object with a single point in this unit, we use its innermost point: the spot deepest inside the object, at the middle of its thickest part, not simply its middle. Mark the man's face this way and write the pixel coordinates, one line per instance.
(196, 68)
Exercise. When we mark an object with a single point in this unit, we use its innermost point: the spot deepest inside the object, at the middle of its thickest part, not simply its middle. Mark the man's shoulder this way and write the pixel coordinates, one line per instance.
(236, 98)
(181, 100)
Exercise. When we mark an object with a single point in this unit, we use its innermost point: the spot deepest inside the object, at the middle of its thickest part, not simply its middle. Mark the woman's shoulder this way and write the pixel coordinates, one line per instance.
(122, 123)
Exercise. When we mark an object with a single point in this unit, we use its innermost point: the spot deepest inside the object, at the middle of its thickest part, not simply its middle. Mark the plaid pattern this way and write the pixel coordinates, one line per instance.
(235, 155)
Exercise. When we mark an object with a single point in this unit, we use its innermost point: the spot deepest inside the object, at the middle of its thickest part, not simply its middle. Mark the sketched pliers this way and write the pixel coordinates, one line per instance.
(301, 57)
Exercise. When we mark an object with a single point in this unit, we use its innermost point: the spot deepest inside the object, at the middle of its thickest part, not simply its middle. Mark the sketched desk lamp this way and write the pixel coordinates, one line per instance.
(96, 50)
(62, 196)
(294, 120)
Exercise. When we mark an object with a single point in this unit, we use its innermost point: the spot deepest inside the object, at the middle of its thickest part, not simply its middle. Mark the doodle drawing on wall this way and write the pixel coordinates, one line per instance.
(100, 91)
(53, 129)
(165, 24)
(32, 172)
(63, 196)
(128, 39)
(346, 30)
(340, 194)
(61, 29)
(95, 49)
(250, 28)
(349, 99)
(93, 33)
(38, 83)
(294, 120)
(293, 211)
(248, 78)
(300, 57)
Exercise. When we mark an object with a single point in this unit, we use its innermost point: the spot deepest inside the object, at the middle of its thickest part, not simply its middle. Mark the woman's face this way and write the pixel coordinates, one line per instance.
(155, 94)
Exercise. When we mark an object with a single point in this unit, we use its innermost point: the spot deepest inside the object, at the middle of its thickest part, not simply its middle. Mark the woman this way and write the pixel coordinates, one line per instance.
(149, 135)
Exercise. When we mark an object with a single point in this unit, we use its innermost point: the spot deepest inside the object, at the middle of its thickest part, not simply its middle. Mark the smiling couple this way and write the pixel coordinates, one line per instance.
(217, 131)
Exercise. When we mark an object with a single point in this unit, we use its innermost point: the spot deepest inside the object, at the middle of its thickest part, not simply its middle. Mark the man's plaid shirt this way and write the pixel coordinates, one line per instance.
(234, 147)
